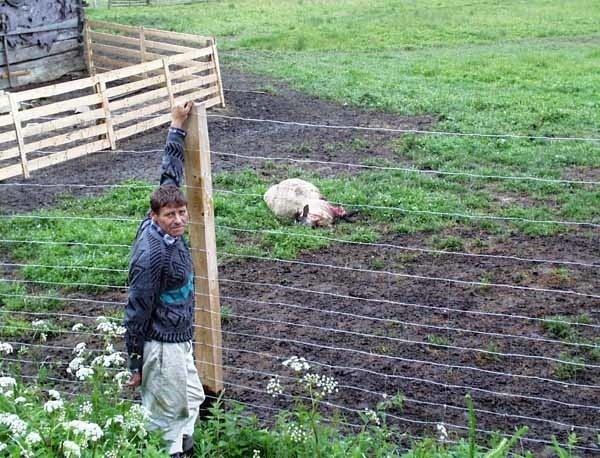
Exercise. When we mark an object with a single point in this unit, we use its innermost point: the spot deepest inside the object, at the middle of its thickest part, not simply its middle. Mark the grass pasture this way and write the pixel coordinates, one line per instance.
(492, 187)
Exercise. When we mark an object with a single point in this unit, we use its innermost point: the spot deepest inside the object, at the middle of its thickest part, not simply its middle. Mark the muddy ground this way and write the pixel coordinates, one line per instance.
(381, 322)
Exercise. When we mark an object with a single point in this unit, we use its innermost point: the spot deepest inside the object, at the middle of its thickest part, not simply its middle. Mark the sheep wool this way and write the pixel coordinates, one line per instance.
(287, 198)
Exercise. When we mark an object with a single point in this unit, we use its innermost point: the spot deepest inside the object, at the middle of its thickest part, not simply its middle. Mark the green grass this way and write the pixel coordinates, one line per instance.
(525, 68)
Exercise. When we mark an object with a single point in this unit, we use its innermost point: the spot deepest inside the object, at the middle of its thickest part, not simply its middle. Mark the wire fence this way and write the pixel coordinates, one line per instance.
(516, 329)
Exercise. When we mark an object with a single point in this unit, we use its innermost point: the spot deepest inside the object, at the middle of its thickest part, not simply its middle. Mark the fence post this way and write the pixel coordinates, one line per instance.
(87, 44)
(215, 58)
(110, 131)
(208, 339)
(14, 111)
(168, 82)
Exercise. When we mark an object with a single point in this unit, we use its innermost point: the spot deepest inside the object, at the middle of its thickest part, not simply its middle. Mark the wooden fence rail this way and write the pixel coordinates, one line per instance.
(136, 76)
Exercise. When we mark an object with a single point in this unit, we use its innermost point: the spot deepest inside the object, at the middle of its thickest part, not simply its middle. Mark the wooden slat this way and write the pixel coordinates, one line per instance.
(10, 171)
(215, 58)
(71, 153)
(178, 36)
(54, 89)
(194, 83)
(101, 87)
(62, 123)
(168, 84)
(197, 95)
(35, 52)
(60, 107)
(115, 39)
(8, 136)
(142, 126)
(98, 48)
(63, 139)
(113, 26)
(189, 71)
(6, 119)
(137, 114)
(107, 62)
(116, 91)
(137, 99)
(167, 46)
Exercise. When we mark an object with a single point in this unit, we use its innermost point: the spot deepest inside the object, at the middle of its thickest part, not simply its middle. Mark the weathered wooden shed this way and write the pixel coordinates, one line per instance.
(41, 40)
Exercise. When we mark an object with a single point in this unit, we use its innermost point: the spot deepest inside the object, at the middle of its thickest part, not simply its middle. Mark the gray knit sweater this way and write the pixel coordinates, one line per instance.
(161, 278)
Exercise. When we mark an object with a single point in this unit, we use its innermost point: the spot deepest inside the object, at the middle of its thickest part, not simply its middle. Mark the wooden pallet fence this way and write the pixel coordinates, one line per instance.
(91, 114)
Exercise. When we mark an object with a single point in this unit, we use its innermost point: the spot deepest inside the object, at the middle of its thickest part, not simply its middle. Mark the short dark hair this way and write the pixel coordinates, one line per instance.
(167, 195)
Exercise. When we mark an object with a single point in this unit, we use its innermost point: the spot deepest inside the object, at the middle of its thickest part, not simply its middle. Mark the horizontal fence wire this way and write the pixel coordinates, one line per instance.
(452, 356)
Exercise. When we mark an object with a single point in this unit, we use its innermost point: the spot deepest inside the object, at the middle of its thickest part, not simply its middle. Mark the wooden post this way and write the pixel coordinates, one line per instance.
(14, 111)
(208, 339)
(87, 44)
(110, 131)
(218, 71)
(168, 82)
(142, 45)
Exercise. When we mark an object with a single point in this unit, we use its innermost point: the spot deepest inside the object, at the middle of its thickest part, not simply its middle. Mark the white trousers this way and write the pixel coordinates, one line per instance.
(171, 390)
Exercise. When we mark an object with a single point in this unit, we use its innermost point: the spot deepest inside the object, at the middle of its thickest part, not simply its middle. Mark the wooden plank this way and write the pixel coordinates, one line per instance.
(66, 24)
(194, 83)
(35, 52)
(10, 171)
(71, 153)
(208, 339)
(197, 96)
(178, 36)
(5, 119)
(61, 123)
(122, 89)
(8, 136)
(140, 98)
(137, 114)
(114, 39)
(46, 69)
(54, 89)
(98, 48)
(63, 139)
(14, 110)
(142, 126)
(108, 62)
(188, 71)
(60, 107)
(167, 46)
(113, 26)
(101, 87)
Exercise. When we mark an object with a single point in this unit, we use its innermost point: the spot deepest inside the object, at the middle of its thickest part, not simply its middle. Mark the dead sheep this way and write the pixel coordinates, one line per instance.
(302, 201)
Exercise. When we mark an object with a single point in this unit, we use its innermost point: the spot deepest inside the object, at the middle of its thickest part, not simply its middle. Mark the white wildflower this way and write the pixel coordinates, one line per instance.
(79, 349)
(84, 373)
(77, 327)
(75, 364)
(297, 433)
(255, 453)
(38, 324)
(442, 433)
(108, 327)
(91, 431)
(3, 446)
(52, 405)
(20, 400)
(296, 364)
(110, 348)
(321, 384)
(33, 438)
(54, 394)
(114, 359)
(14, 423)
(372, 416)
(6, 348)
(6, 385)
(71, 449)
(136, 419)
(274, 387)
(121, 377)
(86, 409)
